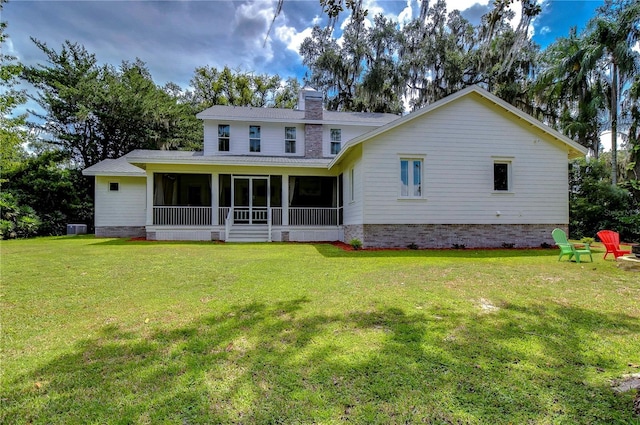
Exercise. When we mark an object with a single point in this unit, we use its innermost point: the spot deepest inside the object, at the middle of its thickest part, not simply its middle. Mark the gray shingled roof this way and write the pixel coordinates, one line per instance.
(238, 113)
(123, 166)
(114, 167)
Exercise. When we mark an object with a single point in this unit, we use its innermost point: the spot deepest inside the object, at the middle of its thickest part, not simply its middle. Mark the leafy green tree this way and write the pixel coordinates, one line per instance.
(97, 112)
(569, 92)
(211, 86)
(437, 54)
(633, 168)
(16, 221)
(596, 204)
(13, 131)
(57, 193)
(610, 39)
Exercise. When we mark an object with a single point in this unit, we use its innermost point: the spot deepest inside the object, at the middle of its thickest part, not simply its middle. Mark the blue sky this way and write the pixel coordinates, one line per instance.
(175, 37)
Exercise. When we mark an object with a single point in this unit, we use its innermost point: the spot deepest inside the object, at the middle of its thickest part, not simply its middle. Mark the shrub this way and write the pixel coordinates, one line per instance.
(17, 221)
(587, 241)
(506, 245)
(412, 245)
(356, 244)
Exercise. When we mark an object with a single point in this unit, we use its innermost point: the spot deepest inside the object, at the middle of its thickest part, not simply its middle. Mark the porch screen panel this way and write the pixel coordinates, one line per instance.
(171, 189)
(224, 196)
(310, 191)
(276, 191)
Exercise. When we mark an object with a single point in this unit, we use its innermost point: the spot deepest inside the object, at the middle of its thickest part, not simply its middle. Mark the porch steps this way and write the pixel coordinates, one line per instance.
(248, 233)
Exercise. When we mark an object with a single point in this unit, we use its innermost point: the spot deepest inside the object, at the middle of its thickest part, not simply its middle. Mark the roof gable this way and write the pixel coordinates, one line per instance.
(114, 167)
(575, 149)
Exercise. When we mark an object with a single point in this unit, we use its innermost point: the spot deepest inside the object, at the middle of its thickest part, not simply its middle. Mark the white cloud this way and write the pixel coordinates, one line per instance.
(407, 13)
(605, 141)
(250, 25)
(545, 30)
(291, 36)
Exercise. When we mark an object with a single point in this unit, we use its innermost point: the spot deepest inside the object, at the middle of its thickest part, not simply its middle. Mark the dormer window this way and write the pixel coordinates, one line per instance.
(254, 138)
(223, 137)
(290, 140)
(336, 140)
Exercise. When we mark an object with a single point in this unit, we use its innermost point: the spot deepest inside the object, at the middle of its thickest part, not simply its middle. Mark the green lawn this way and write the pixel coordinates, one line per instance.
(112, 331)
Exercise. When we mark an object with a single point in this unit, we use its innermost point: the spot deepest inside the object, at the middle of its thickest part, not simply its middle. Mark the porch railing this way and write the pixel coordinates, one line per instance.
(223, 213)
(310, 216)
(276, 216)
(181, 216)
(201, 216)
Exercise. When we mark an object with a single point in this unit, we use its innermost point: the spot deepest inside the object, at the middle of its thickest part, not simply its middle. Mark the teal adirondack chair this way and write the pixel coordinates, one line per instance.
(567, 248)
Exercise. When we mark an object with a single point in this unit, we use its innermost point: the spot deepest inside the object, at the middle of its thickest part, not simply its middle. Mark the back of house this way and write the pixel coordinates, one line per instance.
(468, 170)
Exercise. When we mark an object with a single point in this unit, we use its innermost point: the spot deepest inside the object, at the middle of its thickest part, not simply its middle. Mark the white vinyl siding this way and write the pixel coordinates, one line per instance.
(346, 133)
(270, 139)
(353, 181)
(123, 207)
(460, 142)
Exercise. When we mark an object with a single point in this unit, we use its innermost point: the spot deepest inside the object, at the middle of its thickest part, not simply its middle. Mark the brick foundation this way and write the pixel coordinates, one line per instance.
(448, 235)
(121, 232)
(353, 231)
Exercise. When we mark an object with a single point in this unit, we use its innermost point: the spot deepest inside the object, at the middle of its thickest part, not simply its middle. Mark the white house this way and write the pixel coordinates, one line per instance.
(469, 169)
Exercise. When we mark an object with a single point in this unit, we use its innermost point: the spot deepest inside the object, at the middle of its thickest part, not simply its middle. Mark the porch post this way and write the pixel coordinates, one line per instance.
(150, 182)
(285, 199)
(214, 199)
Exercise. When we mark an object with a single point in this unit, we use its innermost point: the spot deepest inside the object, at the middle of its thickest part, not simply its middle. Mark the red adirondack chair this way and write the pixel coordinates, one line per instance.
(611, 241)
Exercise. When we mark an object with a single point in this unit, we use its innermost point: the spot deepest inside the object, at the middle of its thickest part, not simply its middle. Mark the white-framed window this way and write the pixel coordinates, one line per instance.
(502, 174)
(254, 138)
(114, 186)
(352, 185)
(411, 177)
(290, 140)
(223, 137)
(336, 140)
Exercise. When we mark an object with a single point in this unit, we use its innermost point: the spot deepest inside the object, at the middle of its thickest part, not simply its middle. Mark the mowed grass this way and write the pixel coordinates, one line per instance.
(112, 331)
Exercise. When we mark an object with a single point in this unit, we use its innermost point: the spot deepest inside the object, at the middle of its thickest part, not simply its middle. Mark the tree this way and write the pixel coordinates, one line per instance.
(237, 88)
(633, 168)
(374, 67)
(97, 112)
(569, 91)
(55, 192)
(595, 204)
(13, 131)
(611, 37)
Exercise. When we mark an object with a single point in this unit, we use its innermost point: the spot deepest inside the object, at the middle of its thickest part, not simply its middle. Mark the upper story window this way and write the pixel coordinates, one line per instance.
(336, 140)
(411, 177)
(290, 140)
(223, 137)
(502, 176)
(114, 186)
(254, 138)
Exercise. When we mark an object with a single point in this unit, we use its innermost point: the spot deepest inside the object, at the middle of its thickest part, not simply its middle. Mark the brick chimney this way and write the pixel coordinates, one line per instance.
(310, 101)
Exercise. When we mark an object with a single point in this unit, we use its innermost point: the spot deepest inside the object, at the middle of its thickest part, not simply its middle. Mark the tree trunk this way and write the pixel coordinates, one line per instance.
(614, 123)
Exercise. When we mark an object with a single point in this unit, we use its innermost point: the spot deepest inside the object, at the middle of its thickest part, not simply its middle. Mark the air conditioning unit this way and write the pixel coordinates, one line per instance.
(76, 229)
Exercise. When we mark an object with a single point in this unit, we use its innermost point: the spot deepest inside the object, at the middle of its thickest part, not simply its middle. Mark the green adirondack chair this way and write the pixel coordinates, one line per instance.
(567, 248)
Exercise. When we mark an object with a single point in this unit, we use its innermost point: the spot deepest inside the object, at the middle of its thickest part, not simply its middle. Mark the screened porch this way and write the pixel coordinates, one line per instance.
(275, 200)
